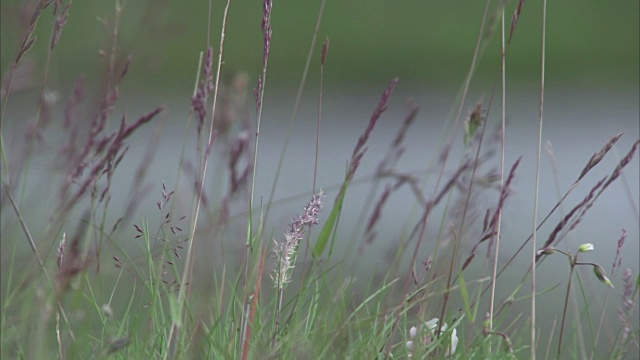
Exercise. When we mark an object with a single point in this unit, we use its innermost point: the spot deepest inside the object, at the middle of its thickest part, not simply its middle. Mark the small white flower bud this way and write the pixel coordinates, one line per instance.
(585, 247)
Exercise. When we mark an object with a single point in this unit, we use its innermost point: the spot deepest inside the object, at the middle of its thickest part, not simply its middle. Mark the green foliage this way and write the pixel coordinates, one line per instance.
(331, 224)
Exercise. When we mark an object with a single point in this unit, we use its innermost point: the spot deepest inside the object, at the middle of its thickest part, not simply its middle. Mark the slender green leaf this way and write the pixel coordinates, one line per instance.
(329, 226)
(465, 296)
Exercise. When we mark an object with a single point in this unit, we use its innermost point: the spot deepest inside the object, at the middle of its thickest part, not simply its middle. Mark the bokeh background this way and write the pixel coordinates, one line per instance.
(425, 43)
(592, 91)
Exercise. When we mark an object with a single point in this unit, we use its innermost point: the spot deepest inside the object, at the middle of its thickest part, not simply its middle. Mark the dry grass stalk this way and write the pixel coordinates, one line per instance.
(621, 165)
(396, 150)
(206, 86)
(598, 156)
(359, 149)
(285, 251)
(266, 29)
(29, 39)
(514, 20)
(239, 149)
(385, 169)
(491, 227)
(584, 205)
(60, 22)
(629, 300)
(617, 260)
(375, 216)
(325, 51)
(590, 199)
(556, 206)
(106, 153)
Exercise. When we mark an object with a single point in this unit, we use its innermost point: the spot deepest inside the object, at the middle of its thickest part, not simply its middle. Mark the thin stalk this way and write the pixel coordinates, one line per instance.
(190, 252)
(114, 47)
(502, 138)
(466, 207)
(454, 257)
(262, 85)
(6, 93)
(296, 105)
(276, 325)
(41, 99)
(32, 244)
(254, 305)
(325, 49)
(203, 175)
(262, 81)
(566, 304)
(26, 231)
(564, 311)
(465, 89)
(537, 184)
(423, 226)
(315, 164)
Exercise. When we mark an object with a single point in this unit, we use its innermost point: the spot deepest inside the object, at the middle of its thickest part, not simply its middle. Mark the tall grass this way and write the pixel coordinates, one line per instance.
(81, 279)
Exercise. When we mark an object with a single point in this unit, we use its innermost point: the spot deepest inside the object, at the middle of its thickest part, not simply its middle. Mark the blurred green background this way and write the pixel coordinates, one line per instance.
(426, 43)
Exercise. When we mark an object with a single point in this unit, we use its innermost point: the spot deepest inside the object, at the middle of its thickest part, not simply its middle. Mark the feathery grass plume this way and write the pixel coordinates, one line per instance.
(168, 244)
(359, 149)
(396, 151)
(285, 250)
(60, 22)
(259, 97)
(557, 205)
(385, 169)
(567, 220)
(491, 227)
(26, 44)
(617, 260)
(266, 33)
(256, 93)
(375, 216)
(597, 157)
(199, 100)
(621, 165)
(354, 163)
(107, 151)
(588, 201)
(266, 28)
(625, 310)
(29, 37)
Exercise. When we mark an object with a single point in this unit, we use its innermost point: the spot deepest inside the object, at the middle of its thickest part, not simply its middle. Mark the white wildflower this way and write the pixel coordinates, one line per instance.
(431, 326)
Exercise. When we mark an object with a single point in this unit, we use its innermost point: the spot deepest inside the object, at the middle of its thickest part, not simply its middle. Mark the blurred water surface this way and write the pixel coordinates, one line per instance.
(577, 123)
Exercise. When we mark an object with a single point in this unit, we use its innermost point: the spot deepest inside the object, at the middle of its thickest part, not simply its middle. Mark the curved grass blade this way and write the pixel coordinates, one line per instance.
(331, 224)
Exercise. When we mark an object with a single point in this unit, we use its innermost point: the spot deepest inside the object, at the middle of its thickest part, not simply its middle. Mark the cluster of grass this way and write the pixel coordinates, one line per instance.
(89, 293)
